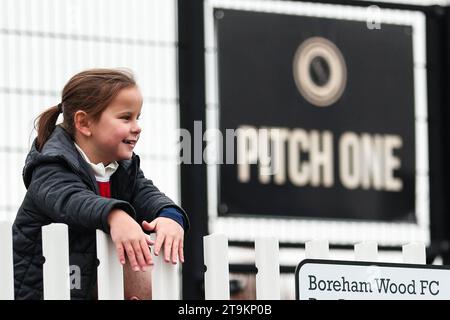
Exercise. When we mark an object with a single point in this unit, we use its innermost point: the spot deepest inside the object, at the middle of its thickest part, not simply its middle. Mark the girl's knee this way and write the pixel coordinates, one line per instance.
(137, 284)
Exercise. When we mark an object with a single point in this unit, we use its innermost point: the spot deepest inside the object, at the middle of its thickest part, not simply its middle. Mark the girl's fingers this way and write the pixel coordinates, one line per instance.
(131, 256)
(168, 243)
(149, 226)
(120, 254)
(149, 241)
(139, 255)
(158, 243)
(175, 251)
(181, 251)
(146, 252)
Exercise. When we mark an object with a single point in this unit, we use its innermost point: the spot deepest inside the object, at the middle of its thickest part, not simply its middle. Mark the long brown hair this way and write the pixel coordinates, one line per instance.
(90, 91)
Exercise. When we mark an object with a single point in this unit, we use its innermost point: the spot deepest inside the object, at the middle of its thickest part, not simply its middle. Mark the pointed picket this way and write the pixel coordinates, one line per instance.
(366, 251)
(317, 249)
(55, 249)
(165, 278)
(217, 278)
(414, 253)
(109, 271)
(267, 261)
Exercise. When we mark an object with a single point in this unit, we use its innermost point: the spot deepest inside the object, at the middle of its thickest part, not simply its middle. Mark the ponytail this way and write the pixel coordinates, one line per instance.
(46, 125)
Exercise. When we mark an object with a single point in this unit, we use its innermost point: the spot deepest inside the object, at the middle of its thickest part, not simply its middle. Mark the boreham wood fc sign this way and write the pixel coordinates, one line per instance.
(324, 113)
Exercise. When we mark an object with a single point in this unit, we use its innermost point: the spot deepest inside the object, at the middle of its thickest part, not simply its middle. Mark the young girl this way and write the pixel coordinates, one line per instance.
(84, 173)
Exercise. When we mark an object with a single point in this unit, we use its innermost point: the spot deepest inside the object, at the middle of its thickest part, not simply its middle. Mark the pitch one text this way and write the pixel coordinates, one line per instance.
(302, 157)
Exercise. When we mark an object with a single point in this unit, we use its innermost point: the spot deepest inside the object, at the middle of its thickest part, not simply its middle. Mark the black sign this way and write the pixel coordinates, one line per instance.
(324, 113)
(356, 280)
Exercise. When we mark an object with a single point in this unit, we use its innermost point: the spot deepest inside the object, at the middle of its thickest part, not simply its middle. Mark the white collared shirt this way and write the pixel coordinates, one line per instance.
(102, 173)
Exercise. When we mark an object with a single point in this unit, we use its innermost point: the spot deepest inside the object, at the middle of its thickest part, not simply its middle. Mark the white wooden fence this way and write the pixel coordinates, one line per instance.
(165, 280)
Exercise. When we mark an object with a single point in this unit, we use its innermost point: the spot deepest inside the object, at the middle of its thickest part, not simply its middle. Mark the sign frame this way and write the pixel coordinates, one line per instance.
(299, 230)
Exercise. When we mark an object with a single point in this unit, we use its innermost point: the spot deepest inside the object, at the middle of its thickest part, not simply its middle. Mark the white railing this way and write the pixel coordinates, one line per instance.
(165, 276)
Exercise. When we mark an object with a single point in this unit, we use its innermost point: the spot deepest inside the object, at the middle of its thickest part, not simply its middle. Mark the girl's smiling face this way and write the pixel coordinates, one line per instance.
(115, 134)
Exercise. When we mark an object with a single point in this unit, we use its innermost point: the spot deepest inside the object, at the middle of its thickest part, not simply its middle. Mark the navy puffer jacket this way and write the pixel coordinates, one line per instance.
(62, 189)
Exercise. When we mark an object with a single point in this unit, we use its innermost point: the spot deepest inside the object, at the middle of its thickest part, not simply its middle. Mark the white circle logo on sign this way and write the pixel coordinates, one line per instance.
(320, 72)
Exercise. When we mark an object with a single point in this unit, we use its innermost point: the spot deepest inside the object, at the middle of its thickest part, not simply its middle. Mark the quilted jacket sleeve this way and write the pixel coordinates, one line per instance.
(65, 198)
(148, 201)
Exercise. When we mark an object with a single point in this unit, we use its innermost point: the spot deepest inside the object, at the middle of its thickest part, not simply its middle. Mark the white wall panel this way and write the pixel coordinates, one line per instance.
(12, 189)
(4, 188)
(111, 18)
(162, 172)
(18, 113)
(158, 120)
(155, 67)
(45, 42)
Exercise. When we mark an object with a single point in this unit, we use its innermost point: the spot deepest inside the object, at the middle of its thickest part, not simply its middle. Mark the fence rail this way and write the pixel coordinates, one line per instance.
(165, 276)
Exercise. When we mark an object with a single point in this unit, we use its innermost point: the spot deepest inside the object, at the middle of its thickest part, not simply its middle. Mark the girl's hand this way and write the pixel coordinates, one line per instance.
(171, 234)
(128, 237)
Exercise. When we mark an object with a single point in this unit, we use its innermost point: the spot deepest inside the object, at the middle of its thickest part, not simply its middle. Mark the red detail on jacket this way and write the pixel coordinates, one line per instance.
(105, 189)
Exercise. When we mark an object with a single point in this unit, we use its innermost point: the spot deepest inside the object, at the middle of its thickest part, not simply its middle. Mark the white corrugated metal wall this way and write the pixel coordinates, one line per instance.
(43, 43)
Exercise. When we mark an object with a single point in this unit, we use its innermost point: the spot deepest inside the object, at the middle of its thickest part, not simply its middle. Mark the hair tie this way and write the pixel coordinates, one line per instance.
(60, 110)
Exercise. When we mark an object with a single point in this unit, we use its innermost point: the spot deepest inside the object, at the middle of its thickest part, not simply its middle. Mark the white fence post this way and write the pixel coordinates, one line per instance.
(414, 253)
(317, 249)
(165, 278)
(55, 249)
(6, 262)
(217, 277)
(110, 271)
(267, 261)
(366, 251)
